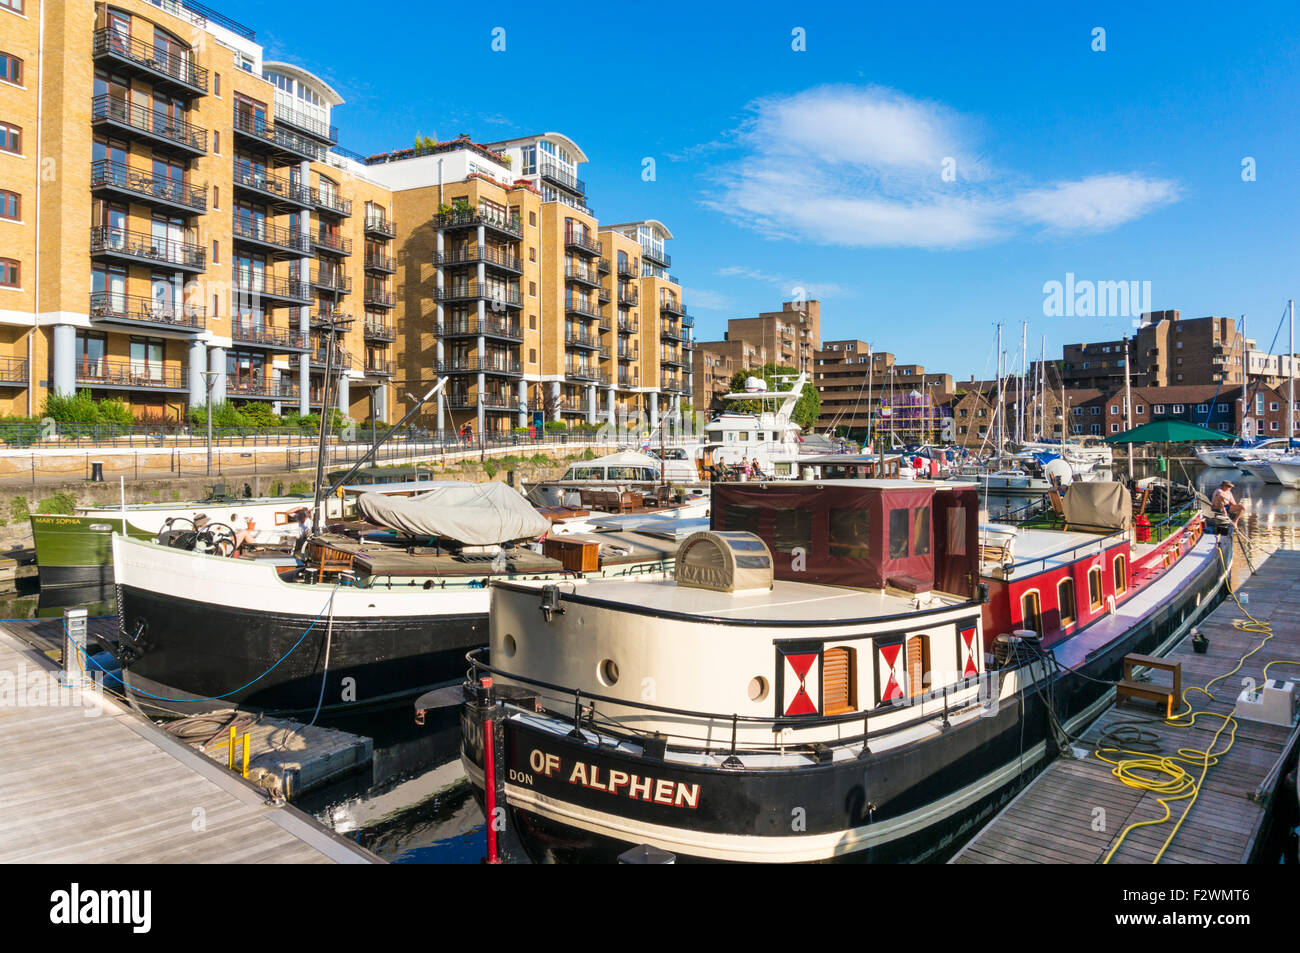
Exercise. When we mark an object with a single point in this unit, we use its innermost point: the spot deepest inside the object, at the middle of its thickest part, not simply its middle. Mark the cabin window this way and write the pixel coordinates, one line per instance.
(898, 534)
(740, 519)
(586, 473)
(839, 682)
(793, 529)
(1031, 611)
(1065, 601)
(1121, 576)
(850, 533)
(957, 531)
(1094, 588)
(918, 664)
(921, 533)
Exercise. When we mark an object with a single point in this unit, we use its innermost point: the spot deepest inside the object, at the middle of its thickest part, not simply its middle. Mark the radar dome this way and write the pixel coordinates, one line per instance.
(1060, 469)
(755, 384)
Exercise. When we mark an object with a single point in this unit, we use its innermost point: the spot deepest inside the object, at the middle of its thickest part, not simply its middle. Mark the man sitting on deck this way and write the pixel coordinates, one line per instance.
(1225, 502)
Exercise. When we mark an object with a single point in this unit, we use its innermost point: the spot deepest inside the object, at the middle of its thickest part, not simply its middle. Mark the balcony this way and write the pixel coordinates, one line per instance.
(379, 368)
(269, 138)
(628, 325)
(492, 364)
(139, 311)
(332, 242)
(585, 276)
(579, 241)
(119, 244)
(305, 122)
(279, 191)
(136, 185)
(263, 335)
(161, 131)
(578, 339)
(473, 291)
(672, 384)
(131, 375)
(467, 218)
(671, 332)
(327, 280)
(259, 388)
(377, 262)
(650, 253)
(628, 354)
(673, 358)
(628, 298)
(627, 383)
(13, 371)
(490, 402)
(552, 172)
(378, 331)
(627, 269)
(489, 327)
(280, 242)
(327, 200)
(172, 69)
(582, 371)
(670, 305)
(379, 226)
(252, 286)
(379, 298)
(576, 304)
(473, 254)
(602, 266)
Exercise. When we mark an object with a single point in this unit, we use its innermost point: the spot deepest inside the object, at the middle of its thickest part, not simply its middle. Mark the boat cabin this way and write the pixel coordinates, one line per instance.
(877, 534)
(623, 467)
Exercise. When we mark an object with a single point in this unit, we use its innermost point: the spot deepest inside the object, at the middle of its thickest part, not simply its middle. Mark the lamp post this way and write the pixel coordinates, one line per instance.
(209, 377)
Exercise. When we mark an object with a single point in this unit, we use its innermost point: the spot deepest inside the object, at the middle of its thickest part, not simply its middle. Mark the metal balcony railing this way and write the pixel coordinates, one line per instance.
(105, 173)
(131, 375)
(268, 336)
(582, 241)
(551, 170)
(378, 262)
(332, 241)
(174, 65)
(464, 218)
(249, 283)
(377, 224)
(136, 309)
(151, 249)
(489, 327)
(157, 125)
(378, 331)
(267, 133)
(13, 370)
(472, 255)
(274, 186)
(257, 230)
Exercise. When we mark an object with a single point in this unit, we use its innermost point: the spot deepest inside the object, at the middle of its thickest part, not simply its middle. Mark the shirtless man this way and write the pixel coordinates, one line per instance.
(1224, 502)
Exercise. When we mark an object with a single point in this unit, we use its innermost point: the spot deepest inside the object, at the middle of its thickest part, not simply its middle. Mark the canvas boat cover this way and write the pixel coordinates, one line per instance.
(1101, 505)
(476, 514)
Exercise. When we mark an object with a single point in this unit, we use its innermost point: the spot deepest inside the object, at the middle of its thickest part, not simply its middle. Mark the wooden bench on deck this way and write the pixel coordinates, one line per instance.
(994, 553)
(1129, 688)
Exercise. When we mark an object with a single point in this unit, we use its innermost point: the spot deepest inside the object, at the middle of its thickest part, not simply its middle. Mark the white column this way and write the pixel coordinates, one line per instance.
(523, 403)
(591, 403)
(654, 410)
(610, 406)
(217, 364)
(555, 397)
(345, 398)
(440, 355)
(304, 378)
(198, 363)
(381, 402)
(65, 360)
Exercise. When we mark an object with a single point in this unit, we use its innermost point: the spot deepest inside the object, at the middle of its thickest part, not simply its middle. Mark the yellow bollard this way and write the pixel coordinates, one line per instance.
(231, 753)
(246, 747)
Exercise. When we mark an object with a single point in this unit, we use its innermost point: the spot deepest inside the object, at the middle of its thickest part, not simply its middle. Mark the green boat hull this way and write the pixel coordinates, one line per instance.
(75, 551)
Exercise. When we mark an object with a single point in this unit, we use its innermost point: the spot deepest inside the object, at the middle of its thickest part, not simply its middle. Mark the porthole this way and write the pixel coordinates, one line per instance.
(607, 672)
(757, 688)
(508, 646)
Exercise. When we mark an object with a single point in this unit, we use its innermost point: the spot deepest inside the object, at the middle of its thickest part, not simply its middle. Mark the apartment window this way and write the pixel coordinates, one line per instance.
(1139, 409)
(532, 355)
(1221, 408)
(1259, 403)
(1160, 408)
(532, 253)
(11, 137)
(216, 197)
(1094, 410)
(216, 252)
(1094, 429)
(532, 218)
(532, 322)
(1178, 408)
(532, 289)
(14, 5)
(216, 142)
(10, 205)
(1114, 409)
(216, 84)
(11, 69)
(8, 273)
(1178, 343)
(1272, 425)
(1114, 428)
(1272, 405)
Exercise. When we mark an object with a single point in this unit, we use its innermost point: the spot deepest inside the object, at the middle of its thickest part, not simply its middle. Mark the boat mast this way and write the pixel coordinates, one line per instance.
(325, 416)
(1002, 358)
(1023, 392)
(1245, 381)
(1290, 398)
(1128, 406)
(1042, 392)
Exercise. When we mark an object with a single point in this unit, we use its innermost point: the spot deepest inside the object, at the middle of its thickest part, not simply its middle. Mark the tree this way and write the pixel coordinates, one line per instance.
(806, 410)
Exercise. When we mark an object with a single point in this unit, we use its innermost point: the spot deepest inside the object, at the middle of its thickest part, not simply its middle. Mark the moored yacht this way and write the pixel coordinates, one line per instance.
(836, 671)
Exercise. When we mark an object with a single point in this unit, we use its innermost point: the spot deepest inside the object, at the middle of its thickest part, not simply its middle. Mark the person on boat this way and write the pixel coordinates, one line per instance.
(243, 532)
(1225, 502)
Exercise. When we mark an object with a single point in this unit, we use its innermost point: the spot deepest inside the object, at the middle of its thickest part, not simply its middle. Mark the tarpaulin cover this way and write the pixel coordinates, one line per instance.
(848, 534)
(476, 514)
(1102, 505)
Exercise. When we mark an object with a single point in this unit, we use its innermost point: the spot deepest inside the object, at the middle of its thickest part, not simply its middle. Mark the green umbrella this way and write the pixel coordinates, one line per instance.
(1168, 430)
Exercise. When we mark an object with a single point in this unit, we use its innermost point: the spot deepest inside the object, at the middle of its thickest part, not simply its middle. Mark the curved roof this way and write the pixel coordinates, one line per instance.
(653, 222)
(301, 75)
(562, 139)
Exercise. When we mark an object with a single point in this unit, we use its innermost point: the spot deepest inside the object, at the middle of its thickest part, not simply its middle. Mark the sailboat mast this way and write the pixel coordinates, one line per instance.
(1245, 380)
(1290, 397)
(1002, 358)
(1023, 392)
(1042, 391)
(1128, 406)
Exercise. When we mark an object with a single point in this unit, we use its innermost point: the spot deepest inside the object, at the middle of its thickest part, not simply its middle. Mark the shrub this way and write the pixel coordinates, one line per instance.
(114, 410)
(589, 454)
(299, 488)
(78, 408)
(489, 468)
(64, 503)
(224, 414)
(258, 414)
(556, 426)
(18, 508)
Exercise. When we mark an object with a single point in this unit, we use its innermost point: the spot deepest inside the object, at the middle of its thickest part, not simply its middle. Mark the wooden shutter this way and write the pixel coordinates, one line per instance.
(918, 664)
(838, 696)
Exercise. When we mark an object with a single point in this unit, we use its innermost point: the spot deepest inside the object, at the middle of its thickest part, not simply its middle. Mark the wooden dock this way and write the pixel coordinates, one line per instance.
(1076, 810)
(80, 787)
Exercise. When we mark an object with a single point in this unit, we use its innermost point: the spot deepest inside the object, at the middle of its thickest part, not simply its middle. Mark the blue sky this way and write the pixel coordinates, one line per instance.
(823, 169)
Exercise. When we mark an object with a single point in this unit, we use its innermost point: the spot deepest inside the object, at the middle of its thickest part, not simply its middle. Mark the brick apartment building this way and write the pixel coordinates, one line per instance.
(789, 337)
(852, 381)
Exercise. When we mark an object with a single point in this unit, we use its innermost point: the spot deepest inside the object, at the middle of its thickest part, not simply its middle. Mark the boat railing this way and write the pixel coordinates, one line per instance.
(982, 689)
(1068, 551)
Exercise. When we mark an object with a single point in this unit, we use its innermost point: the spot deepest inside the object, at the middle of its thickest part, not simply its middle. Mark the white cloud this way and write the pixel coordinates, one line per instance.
(865, 166)
(788, 286)
(707, 300)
